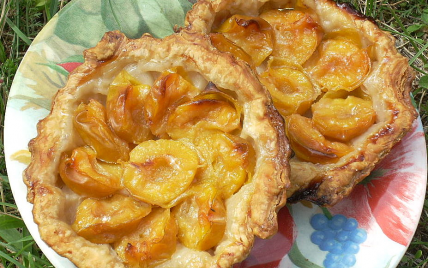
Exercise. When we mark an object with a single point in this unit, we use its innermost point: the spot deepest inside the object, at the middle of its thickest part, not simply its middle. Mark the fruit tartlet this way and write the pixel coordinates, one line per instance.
(158, 153)
(335, 77)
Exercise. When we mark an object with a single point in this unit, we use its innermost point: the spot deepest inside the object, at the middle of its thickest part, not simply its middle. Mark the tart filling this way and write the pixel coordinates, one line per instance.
(334, 76)
(158, 153)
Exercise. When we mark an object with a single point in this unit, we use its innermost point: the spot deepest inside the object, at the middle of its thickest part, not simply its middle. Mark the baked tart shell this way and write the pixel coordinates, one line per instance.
(250, 212)
(388, 83)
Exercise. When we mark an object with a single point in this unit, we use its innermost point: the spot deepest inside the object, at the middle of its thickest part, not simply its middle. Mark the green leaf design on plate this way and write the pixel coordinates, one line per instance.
(161, 16)
(74, 58)
(56, 68)
(123, 15)
(34, 103)
(80, 23)
(85, 22)
(298, 259)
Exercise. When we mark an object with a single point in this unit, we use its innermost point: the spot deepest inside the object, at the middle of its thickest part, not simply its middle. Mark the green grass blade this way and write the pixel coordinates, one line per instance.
(2, 53)
(8, 205)
(11, 260)
(53, 8)
(31, 262)
(23, 250)
(403, 28)
(418, 54)
(7, 246)
(9, 222)
(28, 238)
(10, 236)
(18, 32)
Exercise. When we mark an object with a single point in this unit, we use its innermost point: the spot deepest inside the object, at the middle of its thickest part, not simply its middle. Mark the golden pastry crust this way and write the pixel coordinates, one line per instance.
(251, 211)
(387, 83)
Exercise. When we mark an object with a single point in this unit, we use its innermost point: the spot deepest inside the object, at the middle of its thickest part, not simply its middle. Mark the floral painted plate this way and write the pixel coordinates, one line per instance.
(381, 213)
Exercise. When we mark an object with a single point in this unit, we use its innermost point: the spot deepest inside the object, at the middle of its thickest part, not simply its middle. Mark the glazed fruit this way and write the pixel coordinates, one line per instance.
(291, 89)
(226, 161)
(208, 110)
(343, 119)
(351, 65)
(125, 108)
(225, 45)
(296, 33)
(309, 144)
(91, 123)
(85, 175)
(168, 88)
(254, 35)
(153, 242)
(107, 220)
(159, 171)
(347, 34)
(201, 219)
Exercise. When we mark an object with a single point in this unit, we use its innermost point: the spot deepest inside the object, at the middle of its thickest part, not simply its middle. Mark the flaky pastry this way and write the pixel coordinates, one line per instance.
(158, 153)
(335, 77)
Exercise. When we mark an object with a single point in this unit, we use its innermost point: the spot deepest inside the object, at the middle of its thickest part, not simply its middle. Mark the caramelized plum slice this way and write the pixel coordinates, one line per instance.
(225, 45)
(85, 175)
(169, 87)
(291, 90)
(153, 242)
(226, 161)
(107, 220)
(125, 108)
(343, 119)
(160, 170)
(254, 35)
(346, 34)
(201, 219)
(208, 110)
(309, 144)
(297, 35)
(90, 123)
(341, 65)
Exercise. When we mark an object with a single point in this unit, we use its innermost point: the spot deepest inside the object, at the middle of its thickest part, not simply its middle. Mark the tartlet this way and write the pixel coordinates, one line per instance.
(335, 77)
(158, 153)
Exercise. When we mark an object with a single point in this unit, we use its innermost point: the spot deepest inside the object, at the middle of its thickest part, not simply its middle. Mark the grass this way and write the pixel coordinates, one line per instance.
(21, 20)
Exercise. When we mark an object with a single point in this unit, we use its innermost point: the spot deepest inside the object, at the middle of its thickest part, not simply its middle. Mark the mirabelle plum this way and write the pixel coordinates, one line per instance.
(291, 90)
(104, 221)
(125, 108)
(226, 161)
(208, 110)
(160, 170)
(90, 123)
(85, 175)
(347, 34)
(167, 90)
(201, 219)
(341, 65)
(343, 119)
(254, 35)
(153, 242)
(225, 45)
(343, 94)
(309, 144)
(297, 35)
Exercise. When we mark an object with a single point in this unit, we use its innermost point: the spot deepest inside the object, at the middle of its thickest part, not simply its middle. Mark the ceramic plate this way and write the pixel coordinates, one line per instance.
(381, 213)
